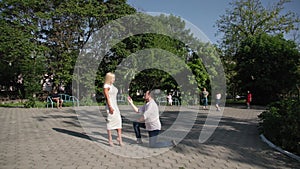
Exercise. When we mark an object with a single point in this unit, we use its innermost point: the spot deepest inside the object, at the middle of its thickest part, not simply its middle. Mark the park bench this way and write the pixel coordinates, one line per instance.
(65, 97)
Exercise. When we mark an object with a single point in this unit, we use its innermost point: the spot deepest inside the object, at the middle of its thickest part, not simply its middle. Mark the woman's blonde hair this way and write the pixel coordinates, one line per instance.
(108, 77)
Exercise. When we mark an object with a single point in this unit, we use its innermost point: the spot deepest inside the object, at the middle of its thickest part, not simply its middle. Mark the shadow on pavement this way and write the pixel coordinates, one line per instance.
(236, 138)
(74, 133)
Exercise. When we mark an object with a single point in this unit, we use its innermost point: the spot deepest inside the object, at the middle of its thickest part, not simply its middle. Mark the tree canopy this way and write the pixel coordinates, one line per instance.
(267, 65)
(254, 51)
(54, 31)
(250, 18)
(187, 57)
(46, 37)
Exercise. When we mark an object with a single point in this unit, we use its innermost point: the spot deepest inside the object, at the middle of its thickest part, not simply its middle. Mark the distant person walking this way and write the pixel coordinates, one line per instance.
(170, 100)
(218, 100)
(205, 98)
(248, 99)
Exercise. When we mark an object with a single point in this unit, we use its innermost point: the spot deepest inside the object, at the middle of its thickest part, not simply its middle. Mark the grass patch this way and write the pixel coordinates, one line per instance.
(12, 104)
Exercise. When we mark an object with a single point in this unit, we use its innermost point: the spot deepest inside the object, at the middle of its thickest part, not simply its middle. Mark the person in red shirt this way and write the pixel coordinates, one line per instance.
(248, 99)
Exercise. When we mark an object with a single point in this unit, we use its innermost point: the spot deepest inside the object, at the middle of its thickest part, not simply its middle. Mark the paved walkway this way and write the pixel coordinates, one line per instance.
(54, 139)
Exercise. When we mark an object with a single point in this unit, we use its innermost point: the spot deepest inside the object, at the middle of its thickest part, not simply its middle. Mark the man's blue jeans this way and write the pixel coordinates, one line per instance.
(136, 127)
(152, 136)
(205, 101)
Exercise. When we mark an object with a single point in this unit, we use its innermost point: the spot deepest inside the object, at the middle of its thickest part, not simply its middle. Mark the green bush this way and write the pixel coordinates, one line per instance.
(31, 102)
(280, 123)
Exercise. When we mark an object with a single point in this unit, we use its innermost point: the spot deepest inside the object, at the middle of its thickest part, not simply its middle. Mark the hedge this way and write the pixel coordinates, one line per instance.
(280, 123)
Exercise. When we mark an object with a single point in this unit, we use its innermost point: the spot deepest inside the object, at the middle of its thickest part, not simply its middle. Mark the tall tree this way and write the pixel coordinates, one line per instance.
(18, 43)
(55, 30)
(197, 56)
(267, 66)
(73, 23)
(246, 19)
(14, 45)
(249, 18)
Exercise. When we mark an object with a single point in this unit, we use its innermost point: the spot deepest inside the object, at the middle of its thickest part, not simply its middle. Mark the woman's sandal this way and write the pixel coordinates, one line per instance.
(120, 142)
(111, 143)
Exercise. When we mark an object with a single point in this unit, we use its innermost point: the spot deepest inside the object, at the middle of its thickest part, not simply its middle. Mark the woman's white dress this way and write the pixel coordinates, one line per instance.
(114, 121)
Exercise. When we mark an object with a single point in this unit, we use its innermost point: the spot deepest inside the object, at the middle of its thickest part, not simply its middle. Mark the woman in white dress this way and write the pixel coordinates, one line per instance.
(114, 120)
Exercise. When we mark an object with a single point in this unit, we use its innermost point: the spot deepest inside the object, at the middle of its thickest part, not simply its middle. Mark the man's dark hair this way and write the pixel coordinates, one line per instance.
(152, 93)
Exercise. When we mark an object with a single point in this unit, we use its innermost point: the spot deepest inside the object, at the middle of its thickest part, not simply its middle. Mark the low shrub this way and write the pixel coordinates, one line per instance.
(280, 123)
(31, 102)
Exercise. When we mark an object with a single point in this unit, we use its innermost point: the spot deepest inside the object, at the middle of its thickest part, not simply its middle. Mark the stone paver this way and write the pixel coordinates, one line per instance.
(54, 139)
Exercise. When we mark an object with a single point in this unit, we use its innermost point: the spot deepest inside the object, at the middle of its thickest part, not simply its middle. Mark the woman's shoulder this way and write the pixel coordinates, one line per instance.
(106, 86)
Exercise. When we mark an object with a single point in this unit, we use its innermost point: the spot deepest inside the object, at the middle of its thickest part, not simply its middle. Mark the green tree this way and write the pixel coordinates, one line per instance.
(73, 23)
(57, 28)
(33, 68)
(112, 10)
(15, 43)
(137, 43)
(246, 19)
(193, 53)
(250, 18)
(267, 65)
(13, 46)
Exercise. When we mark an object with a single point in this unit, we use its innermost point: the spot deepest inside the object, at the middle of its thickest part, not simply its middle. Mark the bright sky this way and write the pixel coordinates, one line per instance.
(202, 13)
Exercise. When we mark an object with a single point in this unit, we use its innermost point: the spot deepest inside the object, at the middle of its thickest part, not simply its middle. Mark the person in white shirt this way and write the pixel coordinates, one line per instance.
(149, 120)
(170, 101)
(218, 99)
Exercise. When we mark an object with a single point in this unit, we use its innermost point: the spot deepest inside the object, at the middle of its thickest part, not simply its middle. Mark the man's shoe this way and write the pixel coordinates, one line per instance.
(174, 143)
(139, 141)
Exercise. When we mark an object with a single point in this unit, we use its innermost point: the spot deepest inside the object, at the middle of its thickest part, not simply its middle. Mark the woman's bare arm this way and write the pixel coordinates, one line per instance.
(111, 110)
